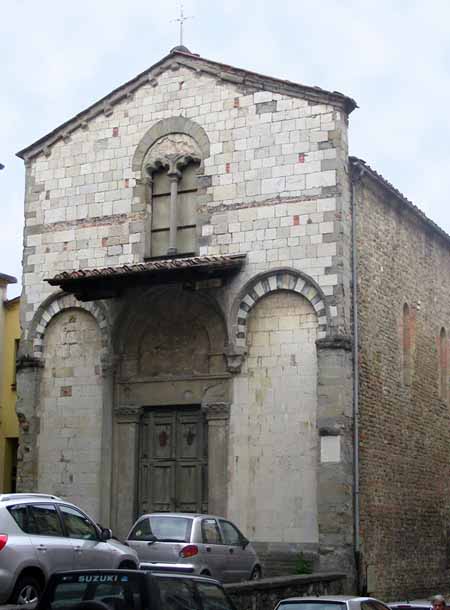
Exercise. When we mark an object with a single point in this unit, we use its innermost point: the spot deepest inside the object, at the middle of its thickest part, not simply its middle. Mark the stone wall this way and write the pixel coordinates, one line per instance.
(404, 424)
(266, 593)
(273, 438)
(70, 410)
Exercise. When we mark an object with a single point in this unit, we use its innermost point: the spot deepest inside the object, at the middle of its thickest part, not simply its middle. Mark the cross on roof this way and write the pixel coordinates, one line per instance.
(181, 19)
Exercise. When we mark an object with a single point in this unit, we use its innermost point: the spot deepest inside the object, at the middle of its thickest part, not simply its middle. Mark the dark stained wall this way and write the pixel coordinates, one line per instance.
(404, 424)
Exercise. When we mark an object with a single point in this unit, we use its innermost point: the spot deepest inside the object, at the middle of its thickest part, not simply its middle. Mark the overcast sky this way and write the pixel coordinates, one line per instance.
(393, 57)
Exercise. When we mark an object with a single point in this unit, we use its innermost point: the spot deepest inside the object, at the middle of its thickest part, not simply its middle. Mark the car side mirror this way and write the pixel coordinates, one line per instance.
(105, 534)
(244, 542)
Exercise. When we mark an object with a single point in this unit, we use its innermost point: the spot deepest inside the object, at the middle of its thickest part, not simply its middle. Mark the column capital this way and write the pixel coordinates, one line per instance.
(127, 414)
(337, 342)
(234, 357)
(217, 411)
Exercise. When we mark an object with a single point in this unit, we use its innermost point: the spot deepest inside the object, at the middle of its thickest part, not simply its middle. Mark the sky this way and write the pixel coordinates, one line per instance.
(393, 58)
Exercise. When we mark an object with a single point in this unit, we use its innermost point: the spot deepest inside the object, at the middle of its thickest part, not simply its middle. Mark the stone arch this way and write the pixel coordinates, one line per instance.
(165, 127)
(53, 305)
(271, 281)
(158, 311)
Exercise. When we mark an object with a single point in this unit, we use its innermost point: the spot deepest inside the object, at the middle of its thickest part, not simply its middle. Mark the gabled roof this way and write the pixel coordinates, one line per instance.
(252, 81)
(365, 170)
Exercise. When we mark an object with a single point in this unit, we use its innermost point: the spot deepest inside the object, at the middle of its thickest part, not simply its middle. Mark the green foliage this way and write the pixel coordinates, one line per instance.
(303, 565)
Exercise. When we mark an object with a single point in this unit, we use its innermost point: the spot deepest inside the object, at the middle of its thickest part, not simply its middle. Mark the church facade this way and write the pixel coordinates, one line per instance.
(188, 312)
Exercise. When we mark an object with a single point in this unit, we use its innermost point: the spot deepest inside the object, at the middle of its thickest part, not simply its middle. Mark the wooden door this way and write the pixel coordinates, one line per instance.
(173, 461)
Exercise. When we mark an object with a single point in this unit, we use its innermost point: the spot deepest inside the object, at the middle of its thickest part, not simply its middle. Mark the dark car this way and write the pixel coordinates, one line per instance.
(132, 590)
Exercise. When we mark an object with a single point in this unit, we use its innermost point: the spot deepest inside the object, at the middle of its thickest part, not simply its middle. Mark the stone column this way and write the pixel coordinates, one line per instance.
(108, 368)
(174, 177)
(335, 469)
(148, 186)
(125, 467)
(28, 379)
(217, 417)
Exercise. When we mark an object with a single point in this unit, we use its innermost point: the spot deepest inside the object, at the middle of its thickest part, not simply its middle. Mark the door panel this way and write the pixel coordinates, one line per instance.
(172, 461)
(240, 560)
(53, 549)
(90, 552)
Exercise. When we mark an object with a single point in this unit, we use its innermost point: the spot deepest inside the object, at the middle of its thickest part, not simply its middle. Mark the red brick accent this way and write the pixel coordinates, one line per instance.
(296, 219)
(228, 167)
(301, 157)
(127, 183)
(66, 390)
(236, 102)
(115, 132)
(104, 242)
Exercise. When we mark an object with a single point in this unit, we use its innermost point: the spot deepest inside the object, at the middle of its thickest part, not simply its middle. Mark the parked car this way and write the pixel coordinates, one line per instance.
(40, 534)
(194, 544)
(326, 602)
(420, 604)
(132, 590)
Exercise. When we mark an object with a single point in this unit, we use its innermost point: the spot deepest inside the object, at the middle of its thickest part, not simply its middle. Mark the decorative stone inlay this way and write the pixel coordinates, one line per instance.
(271, 281)
(57, 303)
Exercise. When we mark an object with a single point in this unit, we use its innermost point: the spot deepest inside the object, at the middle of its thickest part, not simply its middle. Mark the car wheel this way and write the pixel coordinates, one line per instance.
(256, 573)
(27, 591)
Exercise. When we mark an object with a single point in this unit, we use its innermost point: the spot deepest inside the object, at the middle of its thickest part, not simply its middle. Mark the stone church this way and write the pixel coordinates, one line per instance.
(223, 312)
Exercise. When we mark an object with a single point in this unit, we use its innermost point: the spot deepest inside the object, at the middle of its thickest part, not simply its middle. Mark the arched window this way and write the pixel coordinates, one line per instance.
(171, 169)
(443, 365)
(406, 327)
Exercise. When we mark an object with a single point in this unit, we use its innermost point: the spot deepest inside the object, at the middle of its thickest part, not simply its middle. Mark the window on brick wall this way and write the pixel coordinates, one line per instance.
(407, 357)
(443, 365)
(174, 205)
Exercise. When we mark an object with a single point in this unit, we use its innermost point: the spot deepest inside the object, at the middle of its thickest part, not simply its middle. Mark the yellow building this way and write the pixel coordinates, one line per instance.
(9, 426)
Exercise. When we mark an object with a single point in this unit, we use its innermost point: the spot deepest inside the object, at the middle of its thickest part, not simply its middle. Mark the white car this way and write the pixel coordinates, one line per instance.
(41, 534)
(189, 543)
(328, 602)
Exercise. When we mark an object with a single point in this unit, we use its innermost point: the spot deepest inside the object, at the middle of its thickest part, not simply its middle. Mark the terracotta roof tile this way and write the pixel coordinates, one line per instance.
(172, 264)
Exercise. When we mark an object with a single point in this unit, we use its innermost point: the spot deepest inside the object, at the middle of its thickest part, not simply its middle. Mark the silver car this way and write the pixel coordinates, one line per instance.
(40, 534)
(328, 602)
(194, 544)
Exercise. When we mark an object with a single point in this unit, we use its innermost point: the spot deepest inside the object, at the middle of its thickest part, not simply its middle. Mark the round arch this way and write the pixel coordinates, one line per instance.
(56, 303)
(165, 127)
(272, 281)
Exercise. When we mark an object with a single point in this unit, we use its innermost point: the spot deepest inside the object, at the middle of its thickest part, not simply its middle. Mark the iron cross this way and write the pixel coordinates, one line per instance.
(181, 19)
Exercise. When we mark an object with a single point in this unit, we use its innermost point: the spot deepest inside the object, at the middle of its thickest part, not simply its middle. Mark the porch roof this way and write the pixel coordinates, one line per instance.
(109, 282)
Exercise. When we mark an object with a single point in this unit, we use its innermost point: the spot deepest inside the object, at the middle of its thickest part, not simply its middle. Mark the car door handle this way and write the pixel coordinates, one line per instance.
(78, 549)
(231, 550)
(208, 549)
(41, 547)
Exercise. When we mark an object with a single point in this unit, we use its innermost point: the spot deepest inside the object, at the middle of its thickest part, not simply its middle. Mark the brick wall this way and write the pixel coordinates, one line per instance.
(404, 433)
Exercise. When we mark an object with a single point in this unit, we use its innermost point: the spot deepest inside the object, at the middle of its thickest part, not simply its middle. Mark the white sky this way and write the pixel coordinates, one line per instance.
(393, 57)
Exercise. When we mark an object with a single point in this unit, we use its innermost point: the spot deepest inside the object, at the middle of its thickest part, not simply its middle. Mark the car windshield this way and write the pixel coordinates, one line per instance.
(163, 528)
(312, 605)
(117, 591)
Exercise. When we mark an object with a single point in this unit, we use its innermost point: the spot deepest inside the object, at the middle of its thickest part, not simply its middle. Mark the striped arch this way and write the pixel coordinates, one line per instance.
(272, 281)
(55, 304)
